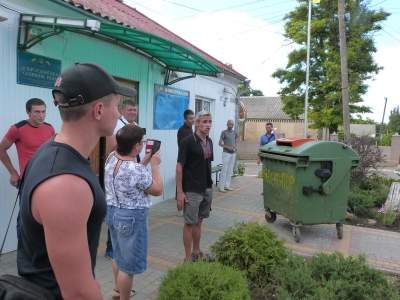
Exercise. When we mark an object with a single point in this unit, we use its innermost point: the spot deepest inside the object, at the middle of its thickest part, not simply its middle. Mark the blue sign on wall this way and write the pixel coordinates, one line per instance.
(169, 105)
(37, 70)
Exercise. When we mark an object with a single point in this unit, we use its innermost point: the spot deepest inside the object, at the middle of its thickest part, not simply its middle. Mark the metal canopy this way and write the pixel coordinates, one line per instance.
(168, 54)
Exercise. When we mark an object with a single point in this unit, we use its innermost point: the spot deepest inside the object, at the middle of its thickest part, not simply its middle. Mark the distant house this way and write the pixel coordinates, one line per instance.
(256, 111)
(363, 129)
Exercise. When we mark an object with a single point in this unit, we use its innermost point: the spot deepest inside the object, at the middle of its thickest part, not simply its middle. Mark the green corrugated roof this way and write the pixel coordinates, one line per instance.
(174, 56)
(169, 54)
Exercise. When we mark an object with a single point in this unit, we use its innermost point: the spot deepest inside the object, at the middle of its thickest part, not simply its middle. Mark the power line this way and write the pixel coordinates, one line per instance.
(253, 8)
(236, 6)
(376, 4)
(148, 8)
(392, 29)
(184, 6)
(251, 29)
(271, 21)
(391, 35)
(281, 12)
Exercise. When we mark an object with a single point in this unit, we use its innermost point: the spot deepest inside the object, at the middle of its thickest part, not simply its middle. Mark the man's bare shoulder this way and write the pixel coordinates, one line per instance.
(62, 198)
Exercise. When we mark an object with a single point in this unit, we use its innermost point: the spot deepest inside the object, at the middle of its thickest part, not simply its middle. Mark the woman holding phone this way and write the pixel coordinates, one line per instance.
(128, 185)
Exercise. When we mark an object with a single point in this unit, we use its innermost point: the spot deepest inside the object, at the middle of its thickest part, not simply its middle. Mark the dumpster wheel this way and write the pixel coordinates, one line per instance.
(296, 233)
(270, 216)
(339, 230)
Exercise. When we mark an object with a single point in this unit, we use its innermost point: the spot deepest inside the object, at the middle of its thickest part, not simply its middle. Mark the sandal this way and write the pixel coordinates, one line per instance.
(196, 257)
(116, 296)
(201, 257)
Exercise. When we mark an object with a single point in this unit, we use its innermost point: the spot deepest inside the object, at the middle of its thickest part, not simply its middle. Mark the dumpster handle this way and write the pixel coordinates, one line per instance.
(339, 170)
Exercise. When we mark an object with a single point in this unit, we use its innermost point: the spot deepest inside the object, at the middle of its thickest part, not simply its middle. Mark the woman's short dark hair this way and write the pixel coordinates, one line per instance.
(127, 137)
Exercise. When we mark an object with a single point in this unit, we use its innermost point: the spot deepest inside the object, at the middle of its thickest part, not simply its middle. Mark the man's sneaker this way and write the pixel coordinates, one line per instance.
(229, 189)
(221, 191)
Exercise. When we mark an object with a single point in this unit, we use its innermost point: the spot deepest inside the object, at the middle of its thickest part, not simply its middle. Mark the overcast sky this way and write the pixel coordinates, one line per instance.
(249, 35)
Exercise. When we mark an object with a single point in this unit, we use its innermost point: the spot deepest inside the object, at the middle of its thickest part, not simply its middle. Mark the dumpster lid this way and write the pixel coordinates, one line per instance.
(314, 150)
(292, 142)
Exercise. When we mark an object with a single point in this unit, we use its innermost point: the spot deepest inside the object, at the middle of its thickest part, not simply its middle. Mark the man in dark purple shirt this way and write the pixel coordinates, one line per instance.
(194, 183)
(186, 128)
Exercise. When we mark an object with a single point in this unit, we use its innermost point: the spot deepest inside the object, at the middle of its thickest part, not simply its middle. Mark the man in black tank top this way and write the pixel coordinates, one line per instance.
(62, 205)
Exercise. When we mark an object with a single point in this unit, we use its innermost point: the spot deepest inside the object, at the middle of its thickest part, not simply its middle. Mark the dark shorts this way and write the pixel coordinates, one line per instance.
(197, 206)
(129, 235)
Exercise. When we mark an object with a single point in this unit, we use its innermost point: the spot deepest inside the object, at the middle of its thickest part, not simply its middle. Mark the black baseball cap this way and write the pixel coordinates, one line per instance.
(84, 82)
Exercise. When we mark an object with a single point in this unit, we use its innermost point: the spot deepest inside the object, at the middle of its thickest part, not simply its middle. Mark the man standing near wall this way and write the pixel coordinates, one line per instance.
(186, 129)
(268, 137)
(194, 183)
(228, 141)
(62, 205)
(27, 135)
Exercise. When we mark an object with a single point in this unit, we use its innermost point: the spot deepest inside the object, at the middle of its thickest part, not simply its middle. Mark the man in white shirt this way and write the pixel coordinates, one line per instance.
(129, 112)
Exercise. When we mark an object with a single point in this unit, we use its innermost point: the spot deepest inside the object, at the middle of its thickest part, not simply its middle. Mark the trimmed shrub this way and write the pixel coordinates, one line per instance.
(254, 249)
(361, 202)
(350, 278)
(333, 277)
(387, 218)
(371, 192)
(204, 281)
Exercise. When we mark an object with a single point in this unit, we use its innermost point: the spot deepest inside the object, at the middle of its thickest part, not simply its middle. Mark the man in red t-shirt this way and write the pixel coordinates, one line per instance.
(27, 135)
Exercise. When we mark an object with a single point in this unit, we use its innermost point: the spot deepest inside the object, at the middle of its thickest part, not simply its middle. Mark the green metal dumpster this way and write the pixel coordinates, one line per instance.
(307, 182)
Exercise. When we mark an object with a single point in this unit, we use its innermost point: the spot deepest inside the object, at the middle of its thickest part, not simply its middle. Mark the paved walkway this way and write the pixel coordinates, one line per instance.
(244, 204)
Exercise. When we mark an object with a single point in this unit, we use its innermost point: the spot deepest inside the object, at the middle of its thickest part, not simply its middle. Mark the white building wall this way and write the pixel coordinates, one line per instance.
(363, 129)
(206, 87)
(12, 99)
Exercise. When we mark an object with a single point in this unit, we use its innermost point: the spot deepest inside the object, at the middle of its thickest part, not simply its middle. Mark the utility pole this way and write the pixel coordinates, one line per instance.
(344, 72)
(380, 132)
(307, 70)
(384, 111)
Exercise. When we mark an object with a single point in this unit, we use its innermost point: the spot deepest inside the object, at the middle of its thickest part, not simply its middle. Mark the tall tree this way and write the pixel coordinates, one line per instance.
(394, 120)
(325, 99)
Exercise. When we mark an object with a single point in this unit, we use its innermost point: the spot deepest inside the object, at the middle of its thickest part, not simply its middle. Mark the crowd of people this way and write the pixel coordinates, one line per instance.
(63, 205)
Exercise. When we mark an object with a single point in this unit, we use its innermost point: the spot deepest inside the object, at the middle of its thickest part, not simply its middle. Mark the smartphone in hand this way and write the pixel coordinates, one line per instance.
(152, 146)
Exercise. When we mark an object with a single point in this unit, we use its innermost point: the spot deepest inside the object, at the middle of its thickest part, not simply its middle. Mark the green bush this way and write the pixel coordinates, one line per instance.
(387, 218)
(333, 277)
(375, 181)
(361, 202)
(386, 139)
(295, 279)
(254, 249)
(350, 278)
(204, 281)
(369, 193)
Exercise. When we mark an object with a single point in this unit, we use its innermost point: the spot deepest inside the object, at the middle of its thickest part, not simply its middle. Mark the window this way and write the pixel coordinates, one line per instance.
(202, 104)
